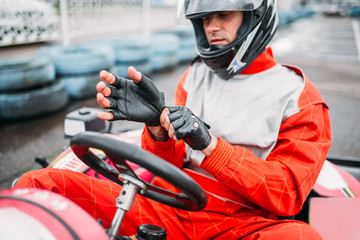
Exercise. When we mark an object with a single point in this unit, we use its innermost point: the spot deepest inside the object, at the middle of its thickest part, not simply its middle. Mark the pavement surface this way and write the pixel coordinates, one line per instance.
(327, 50)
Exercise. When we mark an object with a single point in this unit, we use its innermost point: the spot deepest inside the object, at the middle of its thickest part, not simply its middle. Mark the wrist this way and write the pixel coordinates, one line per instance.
(158, 133)
(210, 148)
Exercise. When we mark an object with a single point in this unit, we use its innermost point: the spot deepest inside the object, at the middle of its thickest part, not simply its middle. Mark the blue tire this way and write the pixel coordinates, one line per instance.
(186, 54)
(121, 69)
(129, 49)
(79, 59)
(164, 43)
(164, 62)
(34, 102)
(81, 87)
(164, 49)
(24, 73)
(78, 66)
(187, 43)
(186, 36)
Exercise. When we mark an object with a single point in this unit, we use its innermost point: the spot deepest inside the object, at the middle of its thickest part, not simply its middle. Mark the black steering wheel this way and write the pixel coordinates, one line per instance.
(192, 197)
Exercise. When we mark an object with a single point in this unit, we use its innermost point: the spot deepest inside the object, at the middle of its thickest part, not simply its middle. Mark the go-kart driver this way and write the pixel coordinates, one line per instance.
(269, 136)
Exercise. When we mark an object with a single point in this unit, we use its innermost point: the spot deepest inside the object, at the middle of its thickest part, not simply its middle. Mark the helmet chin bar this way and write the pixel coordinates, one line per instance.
(220, 64)
(125, 201)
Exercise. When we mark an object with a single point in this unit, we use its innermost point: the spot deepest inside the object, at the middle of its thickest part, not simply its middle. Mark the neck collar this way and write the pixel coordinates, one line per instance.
(263, 62)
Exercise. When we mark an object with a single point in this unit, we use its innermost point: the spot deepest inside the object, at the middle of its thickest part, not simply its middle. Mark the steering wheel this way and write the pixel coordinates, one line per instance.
(192, 197)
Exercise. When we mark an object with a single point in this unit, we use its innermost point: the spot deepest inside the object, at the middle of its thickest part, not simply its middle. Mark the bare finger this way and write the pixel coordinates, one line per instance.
(171, 132)
(134, 75)
(103, 89)
(107, 77)
(105, 115)
(102, 101)
(164, 117)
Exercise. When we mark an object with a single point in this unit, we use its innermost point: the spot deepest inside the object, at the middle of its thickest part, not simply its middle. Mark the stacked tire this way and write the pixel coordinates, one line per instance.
(355, 11)
(78, 66)
(187, 45)
(164, 51)
(28, 88)
(24, 21)
(131, 50)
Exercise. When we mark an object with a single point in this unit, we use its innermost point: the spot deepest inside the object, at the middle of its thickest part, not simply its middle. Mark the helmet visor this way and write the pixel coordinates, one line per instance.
(194, 8)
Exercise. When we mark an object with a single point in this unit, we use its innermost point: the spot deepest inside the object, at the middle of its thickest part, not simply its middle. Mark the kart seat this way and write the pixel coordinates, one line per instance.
(335, 218)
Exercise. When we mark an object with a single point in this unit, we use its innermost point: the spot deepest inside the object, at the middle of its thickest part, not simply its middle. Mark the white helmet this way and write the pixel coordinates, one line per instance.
(259, 25)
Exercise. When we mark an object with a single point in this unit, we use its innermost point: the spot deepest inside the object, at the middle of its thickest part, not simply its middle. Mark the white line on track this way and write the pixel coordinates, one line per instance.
(356, 29)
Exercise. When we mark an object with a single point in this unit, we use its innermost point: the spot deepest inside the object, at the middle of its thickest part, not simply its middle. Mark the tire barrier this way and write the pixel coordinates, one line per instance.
(24, 73)
(354, 11)
(78, 59)
(133, 51)
(187, 44)
(24, 21)
(78, 66)
(164, 51)
(143, 67)
(80, 87)
(287, 17)
(33, 102)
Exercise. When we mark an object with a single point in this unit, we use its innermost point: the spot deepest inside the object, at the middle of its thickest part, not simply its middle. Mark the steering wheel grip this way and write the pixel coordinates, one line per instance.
(193, 197)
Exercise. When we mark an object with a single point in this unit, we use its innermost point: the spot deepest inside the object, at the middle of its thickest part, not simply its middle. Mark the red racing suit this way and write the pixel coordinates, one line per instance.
(280, 184)
(247, 185)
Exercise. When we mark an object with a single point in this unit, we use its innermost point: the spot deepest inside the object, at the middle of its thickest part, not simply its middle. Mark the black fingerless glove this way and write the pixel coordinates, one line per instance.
(139, 102)
(189, 127)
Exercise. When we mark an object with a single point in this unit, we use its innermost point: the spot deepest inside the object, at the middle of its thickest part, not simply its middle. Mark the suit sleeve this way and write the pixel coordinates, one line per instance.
(282, 182)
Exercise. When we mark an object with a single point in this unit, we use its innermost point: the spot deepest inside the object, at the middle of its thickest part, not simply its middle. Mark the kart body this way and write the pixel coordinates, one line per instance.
(332, 207)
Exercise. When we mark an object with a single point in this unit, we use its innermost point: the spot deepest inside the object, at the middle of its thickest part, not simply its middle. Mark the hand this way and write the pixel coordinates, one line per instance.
(189, 127)
(134, 100)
